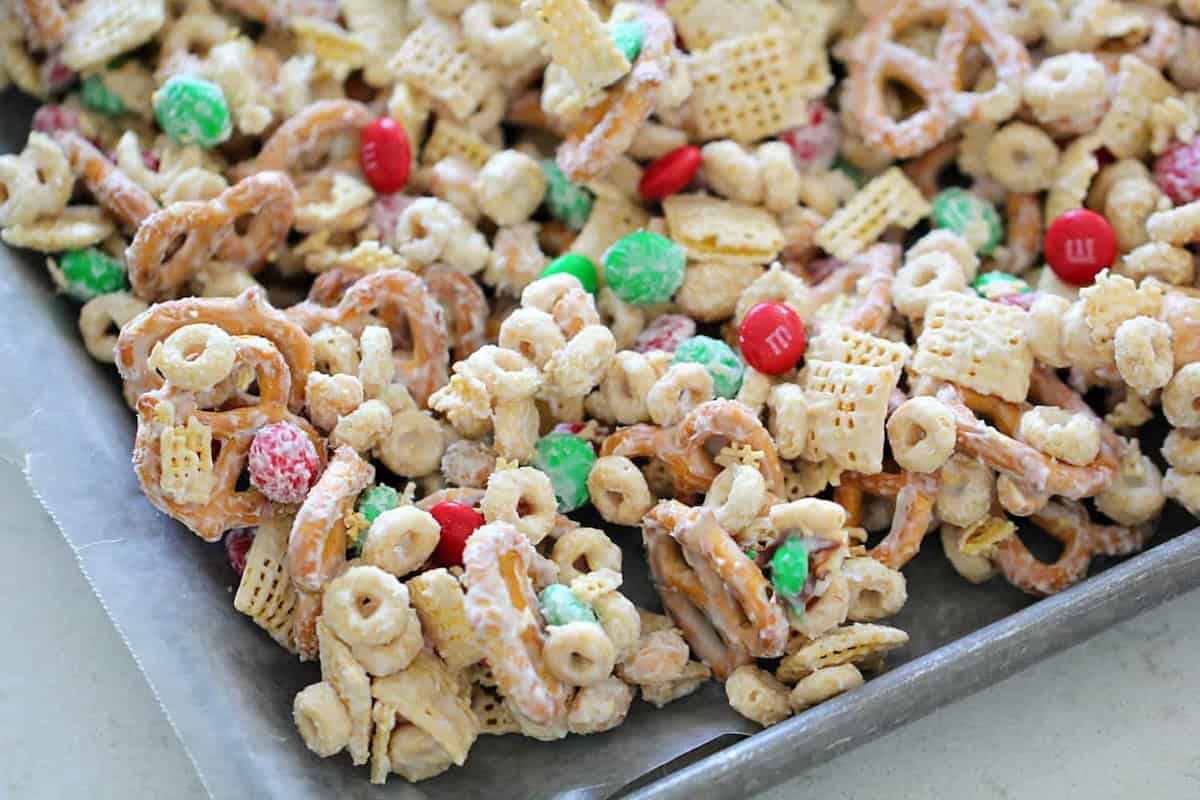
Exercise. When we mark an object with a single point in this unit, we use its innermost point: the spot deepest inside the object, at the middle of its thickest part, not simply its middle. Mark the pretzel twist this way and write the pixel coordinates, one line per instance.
(303, 133)
(465, 304)
(108, 183)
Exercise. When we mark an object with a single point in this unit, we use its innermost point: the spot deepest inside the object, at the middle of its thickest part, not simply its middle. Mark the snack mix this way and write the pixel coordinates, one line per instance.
(788, 286)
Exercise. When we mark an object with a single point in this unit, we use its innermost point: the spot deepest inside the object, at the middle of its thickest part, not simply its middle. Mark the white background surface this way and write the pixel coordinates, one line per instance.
(1116, 717)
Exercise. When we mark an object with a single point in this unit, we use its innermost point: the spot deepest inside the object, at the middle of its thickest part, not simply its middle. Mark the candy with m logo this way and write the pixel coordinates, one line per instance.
(1079, 243)
(771, 337)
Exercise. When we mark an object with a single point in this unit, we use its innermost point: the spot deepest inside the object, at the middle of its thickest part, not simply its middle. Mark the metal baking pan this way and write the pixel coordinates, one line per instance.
(228, 689)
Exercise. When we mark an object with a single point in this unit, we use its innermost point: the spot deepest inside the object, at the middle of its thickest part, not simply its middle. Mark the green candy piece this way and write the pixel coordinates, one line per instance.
(560, 606)
(578, 265)
(98, 97)
(566, 202)
(644, 269)
(715, 356)
(90, 273)
(627, 36)
(992, 285)
(376, 500)
(751, 554)
(193, 111)
(566, 459)
(789, 568)
(970, 216)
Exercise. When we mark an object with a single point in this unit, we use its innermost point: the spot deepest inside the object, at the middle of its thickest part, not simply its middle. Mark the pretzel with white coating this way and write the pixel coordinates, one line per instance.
(294, 140)
(501, 606)
(108, 183)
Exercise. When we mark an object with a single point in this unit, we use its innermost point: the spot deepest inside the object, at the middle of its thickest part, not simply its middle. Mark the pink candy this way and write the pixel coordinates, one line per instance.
(814, 144)
(237, 544)
(665, 333)
(52, 118)
(283, 462)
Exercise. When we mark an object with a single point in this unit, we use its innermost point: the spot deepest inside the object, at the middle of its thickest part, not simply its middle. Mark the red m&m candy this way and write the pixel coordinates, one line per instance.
(458, 522)
(385, 155)
(670, 173)
(1079, 243)
(771, 337)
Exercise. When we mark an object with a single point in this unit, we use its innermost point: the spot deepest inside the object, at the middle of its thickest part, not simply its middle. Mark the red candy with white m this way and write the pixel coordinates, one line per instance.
(283, 462)
(815, 143)
(1079, 244)
(771, 337)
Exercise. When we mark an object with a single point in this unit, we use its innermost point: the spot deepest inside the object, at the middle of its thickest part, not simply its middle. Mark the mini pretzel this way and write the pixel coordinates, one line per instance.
(878, 264)
(501, 606)
(396, 296)
(876, 58)
(464, 304)
(317, 544)
(249, 314)
(112, 188)
(293, 140)
(1081, 539)
(915, 494)
(232, 428)
(1023, 231)
(48, 20)
(926, 171)
(702, 618)
(606, 130)
(157, 267)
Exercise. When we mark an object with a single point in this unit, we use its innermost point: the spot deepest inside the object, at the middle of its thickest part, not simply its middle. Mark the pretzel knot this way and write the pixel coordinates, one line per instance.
(296, 142)
(687, 449)
(108, 183)
(915, 494)
(1081, 539)
(401, 303)
(714, 591)
(173, 244)
(502, 608)
(218, 506)
(606, 130)
(464, 305)
(876, 58)
(249, 314)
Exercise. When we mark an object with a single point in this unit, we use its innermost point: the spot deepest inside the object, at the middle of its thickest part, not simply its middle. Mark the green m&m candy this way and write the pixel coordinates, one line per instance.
(627, 36)
(566, 202)
(789, 568)
(566, 459)
(993, 285)
(644, 269)
(193, 111)
(578, 265)
(98, 97)
(561, 606)
(970, 216)
(85, 274)
(376, 500)
(715, 356)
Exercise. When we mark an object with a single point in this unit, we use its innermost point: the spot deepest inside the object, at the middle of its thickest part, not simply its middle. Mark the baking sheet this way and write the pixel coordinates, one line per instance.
(228, 689)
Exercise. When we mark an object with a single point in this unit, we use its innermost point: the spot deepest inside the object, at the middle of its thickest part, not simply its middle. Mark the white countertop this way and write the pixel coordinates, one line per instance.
(1115, 717)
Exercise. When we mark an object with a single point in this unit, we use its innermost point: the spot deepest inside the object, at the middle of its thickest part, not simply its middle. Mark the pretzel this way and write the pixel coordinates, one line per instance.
(317, 545)
(709, 621)
(1023, 232)
(112, 188)
(157, 267)
(876, 57)
(293, 141)
(878, 265)
(502, 608)
(914, 492)
(605, 131)
(47, 19)
(249, 314)
(221, 507)
(396, 296)
(1081, 540)
(464, 306)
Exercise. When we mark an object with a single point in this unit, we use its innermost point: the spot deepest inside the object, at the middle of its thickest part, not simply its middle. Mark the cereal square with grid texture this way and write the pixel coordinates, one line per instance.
(977, 344)
(578, 42)
(434, 59)
(889, 199)
(265, 593)
(718, 230)
(847, 411)
(750, 87)
(451, 140)
(101, 30)
(848, 346)
(702, 23)
(1113, 299)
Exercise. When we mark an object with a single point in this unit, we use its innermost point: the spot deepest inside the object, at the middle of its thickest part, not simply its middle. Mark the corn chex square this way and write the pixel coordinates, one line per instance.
(848, 346)
(701, 23)
(434, 59)
(718, 230)
(889, 199)
(451, 140)
(578, 42)
(847, 409)
(101, 30)
(265, 593)
(750, 87)
(977, 344)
